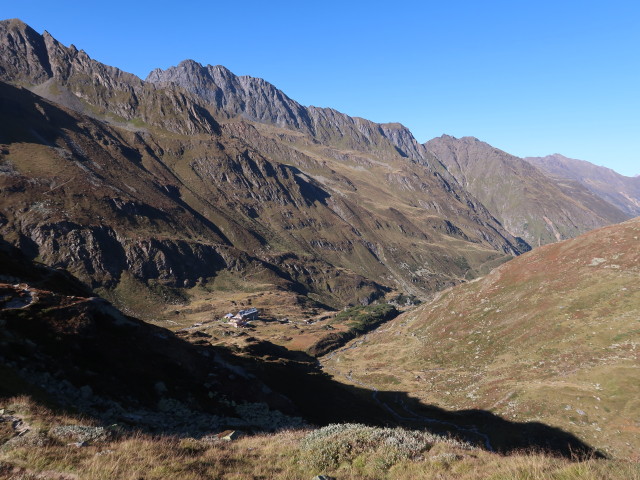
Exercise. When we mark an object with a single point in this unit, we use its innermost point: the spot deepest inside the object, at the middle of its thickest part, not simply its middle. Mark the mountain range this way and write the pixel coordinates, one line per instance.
(150, 173)
(195, 171)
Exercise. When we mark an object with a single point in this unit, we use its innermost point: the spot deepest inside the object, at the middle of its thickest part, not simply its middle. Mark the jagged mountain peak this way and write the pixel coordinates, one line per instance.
(70, 77)
(16, 24)
(235, 96)
(257, 100)
(464, 138)
(23, 52)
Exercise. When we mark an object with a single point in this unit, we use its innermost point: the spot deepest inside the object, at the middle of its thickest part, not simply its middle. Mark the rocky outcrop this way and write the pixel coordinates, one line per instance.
(99, 255)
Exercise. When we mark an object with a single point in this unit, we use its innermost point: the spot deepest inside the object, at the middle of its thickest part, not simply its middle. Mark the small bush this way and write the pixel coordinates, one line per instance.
(333, 445)
(362, 319)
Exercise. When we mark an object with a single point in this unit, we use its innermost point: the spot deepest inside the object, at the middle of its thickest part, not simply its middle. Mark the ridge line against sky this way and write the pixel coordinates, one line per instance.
(531, 79)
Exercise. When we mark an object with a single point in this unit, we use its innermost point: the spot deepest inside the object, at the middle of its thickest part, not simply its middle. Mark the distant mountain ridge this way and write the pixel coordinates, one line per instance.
(619, 190)
(527, 202)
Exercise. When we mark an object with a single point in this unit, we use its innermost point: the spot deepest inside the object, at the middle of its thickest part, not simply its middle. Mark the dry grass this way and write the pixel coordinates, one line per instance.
(283, 455)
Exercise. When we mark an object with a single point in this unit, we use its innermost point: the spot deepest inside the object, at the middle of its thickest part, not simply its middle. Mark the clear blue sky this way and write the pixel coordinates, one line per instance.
(531, 78)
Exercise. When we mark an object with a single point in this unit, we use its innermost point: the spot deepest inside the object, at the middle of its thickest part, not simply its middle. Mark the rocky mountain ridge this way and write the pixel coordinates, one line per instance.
(256, 100)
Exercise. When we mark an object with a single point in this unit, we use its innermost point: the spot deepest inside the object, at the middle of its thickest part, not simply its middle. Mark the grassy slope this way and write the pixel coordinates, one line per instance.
(550, 336)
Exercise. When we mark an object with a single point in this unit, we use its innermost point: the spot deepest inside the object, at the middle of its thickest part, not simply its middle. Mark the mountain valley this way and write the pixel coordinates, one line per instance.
(474, 312)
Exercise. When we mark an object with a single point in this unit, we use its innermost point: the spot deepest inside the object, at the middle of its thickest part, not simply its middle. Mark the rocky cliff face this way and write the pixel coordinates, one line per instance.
(622, 192)
(528, 203)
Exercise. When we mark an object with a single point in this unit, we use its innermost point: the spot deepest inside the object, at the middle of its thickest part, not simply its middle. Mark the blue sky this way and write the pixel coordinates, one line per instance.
(529, 77)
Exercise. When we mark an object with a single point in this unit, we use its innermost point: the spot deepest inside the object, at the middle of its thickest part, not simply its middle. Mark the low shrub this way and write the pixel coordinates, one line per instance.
(333, 445)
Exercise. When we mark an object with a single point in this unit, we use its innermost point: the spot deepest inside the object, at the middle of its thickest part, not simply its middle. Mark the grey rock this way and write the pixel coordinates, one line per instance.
(82, 434)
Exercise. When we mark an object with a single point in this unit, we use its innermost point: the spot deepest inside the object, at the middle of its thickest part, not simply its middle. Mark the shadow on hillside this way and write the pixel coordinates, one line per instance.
(323, 400)
(87, 356)
(294, 384)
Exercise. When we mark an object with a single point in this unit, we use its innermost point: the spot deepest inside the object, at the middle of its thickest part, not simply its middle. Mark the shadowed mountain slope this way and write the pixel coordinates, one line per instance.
(621, 191)
(527, 202)
(550, 336)
(103, 203)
